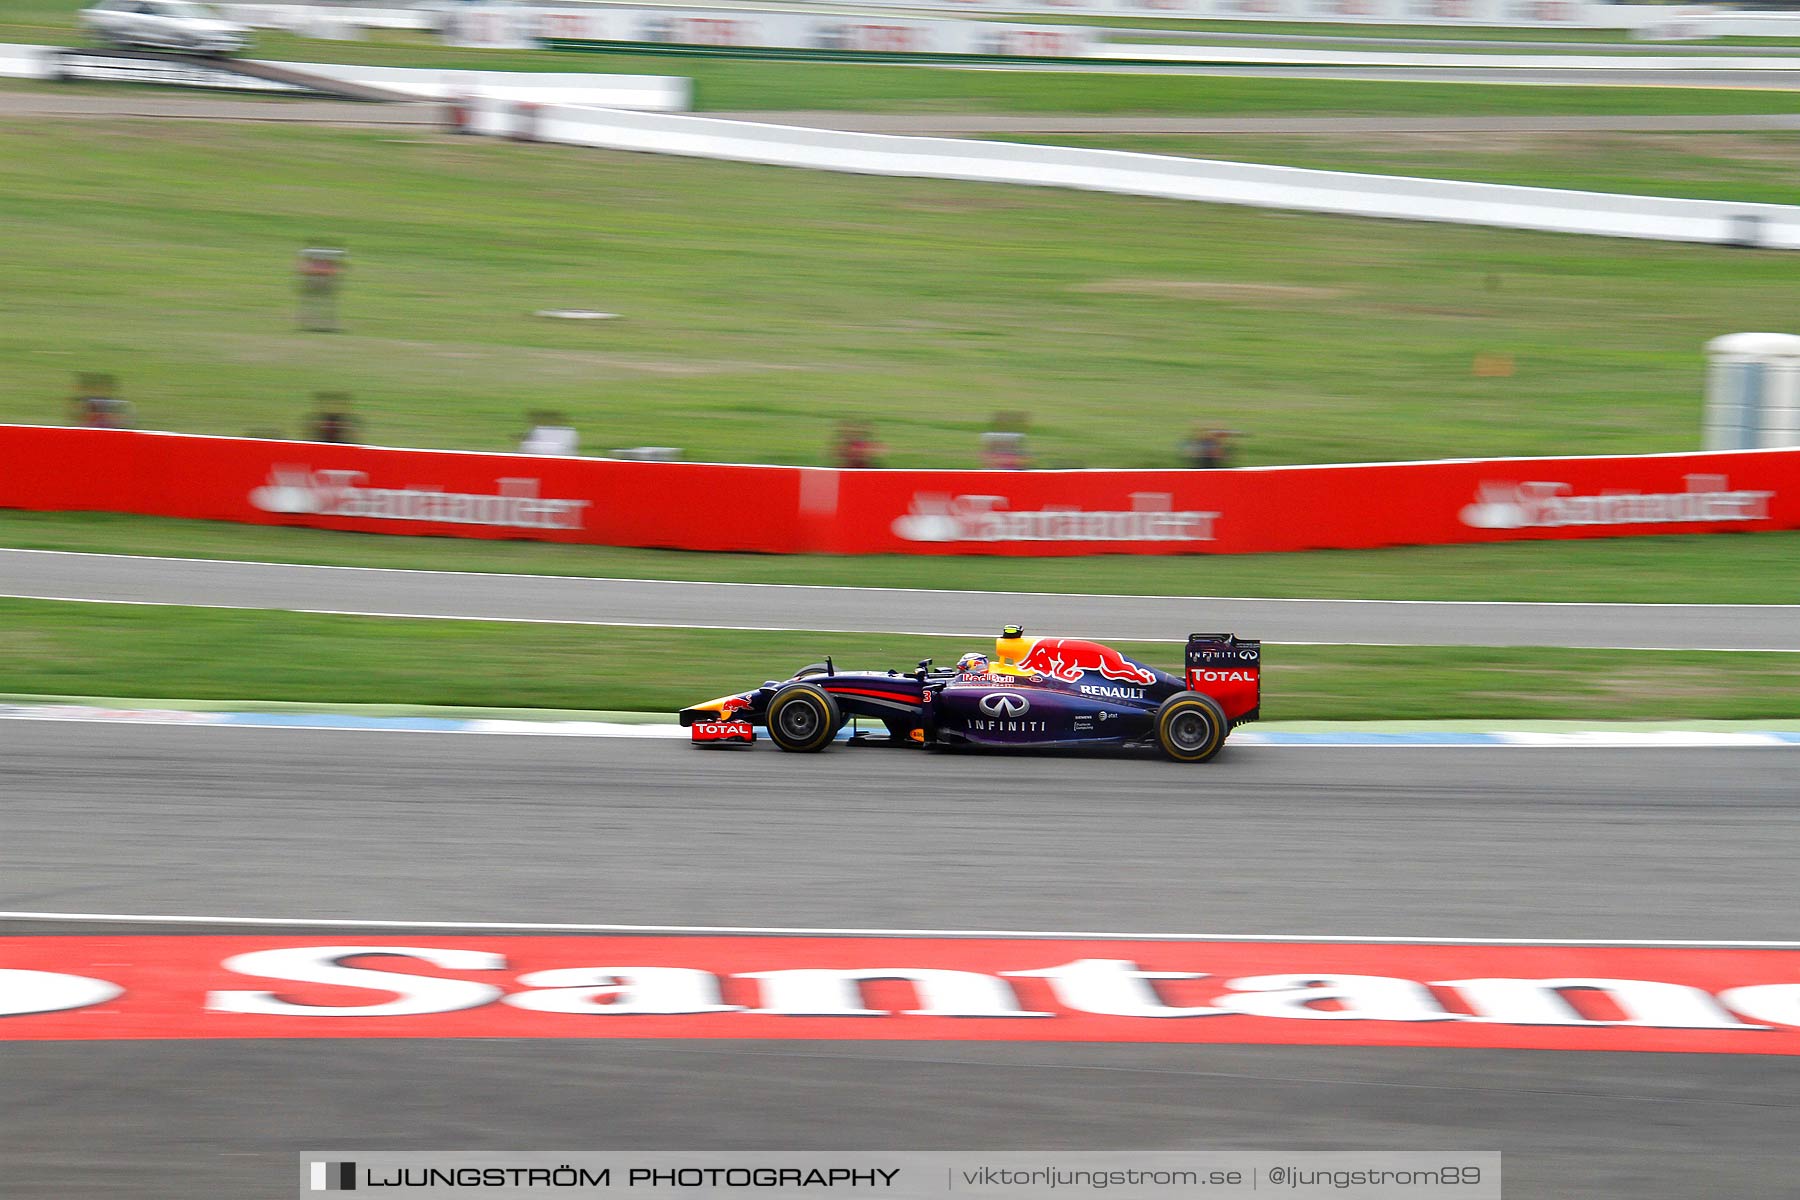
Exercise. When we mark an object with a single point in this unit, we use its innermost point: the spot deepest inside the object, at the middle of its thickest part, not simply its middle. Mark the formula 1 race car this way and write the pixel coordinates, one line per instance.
(1033, 692)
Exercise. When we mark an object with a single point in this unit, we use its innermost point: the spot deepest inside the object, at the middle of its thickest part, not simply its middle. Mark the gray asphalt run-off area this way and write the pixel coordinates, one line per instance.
(1434, 843)
(434, 117)
(48, 575)
(129, 103)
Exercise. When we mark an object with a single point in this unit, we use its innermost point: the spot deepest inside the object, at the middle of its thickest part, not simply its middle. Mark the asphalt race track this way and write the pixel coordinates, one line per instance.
(1431, 843)
(355, 114)
(1410, 842)
(132, 103)
(63, 576)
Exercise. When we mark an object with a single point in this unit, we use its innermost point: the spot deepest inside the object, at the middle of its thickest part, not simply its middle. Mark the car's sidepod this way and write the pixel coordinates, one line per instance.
(1040, 710)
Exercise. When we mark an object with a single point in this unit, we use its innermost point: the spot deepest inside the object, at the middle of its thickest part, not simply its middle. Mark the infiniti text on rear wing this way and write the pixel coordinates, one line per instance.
(1229, 669)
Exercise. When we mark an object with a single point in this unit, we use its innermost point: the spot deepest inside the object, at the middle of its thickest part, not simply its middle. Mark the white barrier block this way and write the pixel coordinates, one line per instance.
(647, 93)
(25, 62)
(1545, 209)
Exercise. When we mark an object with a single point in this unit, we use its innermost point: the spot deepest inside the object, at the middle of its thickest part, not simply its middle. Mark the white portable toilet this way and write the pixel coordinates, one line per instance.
(1753, 391)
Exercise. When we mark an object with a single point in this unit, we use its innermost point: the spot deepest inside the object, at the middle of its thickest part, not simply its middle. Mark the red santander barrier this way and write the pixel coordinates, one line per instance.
(1544, 997)
(785, 510)
(1261, 509)
(369, 489)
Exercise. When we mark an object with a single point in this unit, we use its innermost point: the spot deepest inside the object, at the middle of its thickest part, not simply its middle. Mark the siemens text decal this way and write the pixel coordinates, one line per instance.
(902, 988)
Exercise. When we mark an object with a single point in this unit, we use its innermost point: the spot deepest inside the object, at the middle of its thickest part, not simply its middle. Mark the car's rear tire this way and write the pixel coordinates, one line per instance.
(803, 718)
(1191, 727)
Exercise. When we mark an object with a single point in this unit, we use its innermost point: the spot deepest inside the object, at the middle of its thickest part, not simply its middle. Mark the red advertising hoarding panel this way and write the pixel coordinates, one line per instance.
(700, 506)
(370, 489)
(1543, 997)
(1256, 510)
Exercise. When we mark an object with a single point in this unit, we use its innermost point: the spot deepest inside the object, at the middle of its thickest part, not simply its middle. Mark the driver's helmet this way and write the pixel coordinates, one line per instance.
(973, 663)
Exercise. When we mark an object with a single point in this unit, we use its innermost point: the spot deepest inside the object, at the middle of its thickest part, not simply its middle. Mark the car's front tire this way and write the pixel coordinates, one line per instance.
(1191, 727)
(802, 717)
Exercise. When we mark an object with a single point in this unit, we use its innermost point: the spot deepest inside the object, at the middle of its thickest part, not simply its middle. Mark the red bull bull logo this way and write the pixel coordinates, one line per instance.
(1068, 659)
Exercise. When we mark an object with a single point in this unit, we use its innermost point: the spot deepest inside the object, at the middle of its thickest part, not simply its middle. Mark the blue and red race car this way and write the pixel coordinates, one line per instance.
(1032, 693)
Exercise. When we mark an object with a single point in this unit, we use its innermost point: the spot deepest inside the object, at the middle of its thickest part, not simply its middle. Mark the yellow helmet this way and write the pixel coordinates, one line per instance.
(1011, 646)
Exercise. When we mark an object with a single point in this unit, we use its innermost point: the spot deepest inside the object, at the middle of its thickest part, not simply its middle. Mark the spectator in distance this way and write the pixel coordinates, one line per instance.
(332, 420)
(96, 403)
(1003, 446)
(856, 447)
(1207, 449)
(319, 274)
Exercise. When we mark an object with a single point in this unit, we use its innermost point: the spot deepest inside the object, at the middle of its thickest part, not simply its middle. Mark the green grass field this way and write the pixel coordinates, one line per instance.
(1752, 167)
(1762, 568)
(1125, 45)
(187, 653)
(762, 304)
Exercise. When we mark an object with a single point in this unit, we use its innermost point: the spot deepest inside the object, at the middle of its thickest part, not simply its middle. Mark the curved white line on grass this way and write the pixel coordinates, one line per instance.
(785, 931)
(846, 587)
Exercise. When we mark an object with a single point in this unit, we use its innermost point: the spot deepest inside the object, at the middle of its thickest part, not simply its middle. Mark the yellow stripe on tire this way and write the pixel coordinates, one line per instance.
(1208, 712)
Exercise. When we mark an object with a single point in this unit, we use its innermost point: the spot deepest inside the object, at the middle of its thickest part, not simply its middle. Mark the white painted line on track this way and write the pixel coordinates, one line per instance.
(411, 616)
(841, 587)
(1261, 738)
(392, 615)
(786, 931)
(1623, 739)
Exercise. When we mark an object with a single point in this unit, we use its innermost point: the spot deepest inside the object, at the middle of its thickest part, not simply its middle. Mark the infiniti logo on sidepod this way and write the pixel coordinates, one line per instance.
(1003, 704)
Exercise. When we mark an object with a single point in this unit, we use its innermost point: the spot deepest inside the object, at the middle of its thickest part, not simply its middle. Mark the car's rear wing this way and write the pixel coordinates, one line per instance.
(1229, 669)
